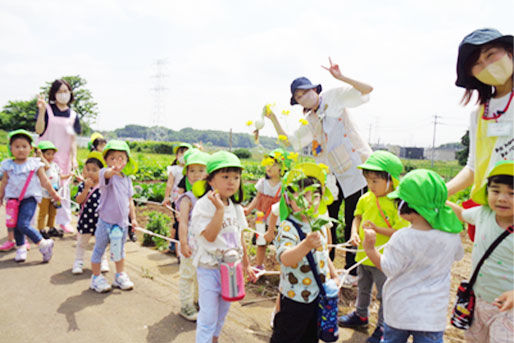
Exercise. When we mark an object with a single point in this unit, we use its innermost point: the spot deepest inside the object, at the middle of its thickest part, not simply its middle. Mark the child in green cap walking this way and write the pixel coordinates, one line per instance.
(377, 212)
(417, 260)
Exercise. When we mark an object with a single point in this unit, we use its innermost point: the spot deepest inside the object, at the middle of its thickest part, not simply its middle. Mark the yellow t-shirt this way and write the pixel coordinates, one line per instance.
(368, 210)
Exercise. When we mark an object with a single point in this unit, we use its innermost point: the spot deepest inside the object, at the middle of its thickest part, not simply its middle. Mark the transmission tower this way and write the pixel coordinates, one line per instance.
(159, 90)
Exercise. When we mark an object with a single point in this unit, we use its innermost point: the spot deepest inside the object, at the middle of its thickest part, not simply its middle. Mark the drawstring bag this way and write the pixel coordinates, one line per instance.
(462, 315)
(328, 331)
(12, 207)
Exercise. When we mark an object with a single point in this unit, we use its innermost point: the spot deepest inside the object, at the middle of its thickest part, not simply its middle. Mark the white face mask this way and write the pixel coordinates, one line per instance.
(309, 100)
(496, 73)
(63, 98)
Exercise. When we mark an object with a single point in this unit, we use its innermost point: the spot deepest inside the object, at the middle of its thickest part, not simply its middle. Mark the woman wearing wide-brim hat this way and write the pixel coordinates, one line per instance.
(484, 66)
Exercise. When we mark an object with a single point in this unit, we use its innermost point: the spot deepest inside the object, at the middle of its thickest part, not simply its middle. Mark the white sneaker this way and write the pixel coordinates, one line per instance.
(99, 284)
(123, 282)
(46, 248)
(349, 281)
(104, 265)
(189, 313)
(21, 254)
(77, 267)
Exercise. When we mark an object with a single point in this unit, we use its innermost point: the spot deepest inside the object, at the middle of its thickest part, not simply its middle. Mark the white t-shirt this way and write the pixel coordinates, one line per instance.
(176, 171)
(264, 186)
(210, 253)
(417, 264)
(496, 275)
(53, 176)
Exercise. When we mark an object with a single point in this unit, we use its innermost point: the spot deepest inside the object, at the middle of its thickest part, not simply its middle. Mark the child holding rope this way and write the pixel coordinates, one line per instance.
(377, 212)
(417, 260)
(88, 196)
(20, 183)
(217, 224)
(115, 206)
(194, 170)
(493, 316)
(297, 319)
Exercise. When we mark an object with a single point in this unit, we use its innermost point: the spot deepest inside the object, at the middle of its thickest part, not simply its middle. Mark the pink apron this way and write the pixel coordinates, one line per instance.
(60, 131)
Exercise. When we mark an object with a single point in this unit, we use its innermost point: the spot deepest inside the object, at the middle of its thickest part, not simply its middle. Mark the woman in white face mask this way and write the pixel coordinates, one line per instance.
(484, 66)
(334, 141)
(58, 123)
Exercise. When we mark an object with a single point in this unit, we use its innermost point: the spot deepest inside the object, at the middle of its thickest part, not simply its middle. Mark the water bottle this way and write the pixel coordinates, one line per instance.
(232, 279)
(116, 238)
(260, 227)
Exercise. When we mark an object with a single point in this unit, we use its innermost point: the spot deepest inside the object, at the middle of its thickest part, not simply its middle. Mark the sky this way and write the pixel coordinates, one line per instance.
(221, 61)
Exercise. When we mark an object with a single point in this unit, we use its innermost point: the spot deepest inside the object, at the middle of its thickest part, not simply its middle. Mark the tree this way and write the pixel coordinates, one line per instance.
(83, 105)
(18, 115)
(462, 155)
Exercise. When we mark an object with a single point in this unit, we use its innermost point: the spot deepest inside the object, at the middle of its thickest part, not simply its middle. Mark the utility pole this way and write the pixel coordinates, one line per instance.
(433, 139)
(159, 89)
(230, 140)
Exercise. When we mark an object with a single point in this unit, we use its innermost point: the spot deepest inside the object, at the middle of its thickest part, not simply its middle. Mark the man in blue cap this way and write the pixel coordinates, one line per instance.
(334, 140)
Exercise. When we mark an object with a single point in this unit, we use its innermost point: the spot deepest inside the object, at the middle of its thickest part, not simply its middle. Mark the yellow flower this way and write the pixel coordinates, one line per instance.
(278, 156)
(268, 161)
(282, 138)
(268, 108)
(303, 121)
(286, 112)
(249, 123)
(293, 156)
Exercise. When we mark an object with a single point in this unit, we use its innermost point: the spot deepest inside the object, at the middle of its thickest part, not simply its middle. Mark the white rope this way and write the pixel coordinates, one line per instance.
(156, 235)
(346, 272)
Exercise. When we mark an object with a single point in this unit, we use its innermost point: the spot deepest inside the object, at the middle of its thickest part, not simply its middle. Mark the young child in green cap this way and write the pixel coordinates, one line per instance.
(377, 212)
(114, 209)
(417, 260)
(23, 177)
(217, 225)
(494, 286)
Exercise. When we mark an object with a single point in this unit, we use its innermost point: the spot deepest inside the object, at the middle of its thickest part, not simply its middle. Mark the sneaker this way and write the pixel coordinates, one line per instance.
(44, 233)
(7, 246)
(123, 282)
(352, 320)
(189, 313)
(53, 232)
(104, 265)
(21, 254)
(46, 248)
(259, 267)
(77, 267)
(349, 281)
(99, 284)
(67, 228)
(376, 336)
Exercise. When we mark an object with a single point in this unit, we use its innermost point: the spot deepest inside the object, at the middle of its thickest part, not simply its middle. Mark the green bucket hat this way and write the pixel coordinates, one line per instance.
(131, 166)
(425, 191)
(222, 159)
(182, 145)
(384, 161)
(500, 168)
(195, 156)
(11, 134)
(46, 145)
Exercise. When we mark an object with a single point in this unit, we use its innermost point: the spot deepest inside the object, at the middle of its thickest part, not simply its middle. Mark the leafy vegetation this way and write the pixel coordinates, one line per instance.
(160, 224)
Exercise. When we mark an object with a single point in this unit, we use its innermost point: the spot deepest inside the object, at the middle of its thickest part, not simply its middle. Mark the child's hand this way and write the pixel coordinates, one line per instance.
(267, 112)
(269, 235)
(185, 249)
(313, 240)
(333, 69)
(370, 238)
(39, 153)
(56, 197)
(369, 225)
(355, 239)
(215, 198)
(134, 222)
(251, 274)
(89, 183)
(505, 301)
(41, 103)
(166, 202)
(245, 209)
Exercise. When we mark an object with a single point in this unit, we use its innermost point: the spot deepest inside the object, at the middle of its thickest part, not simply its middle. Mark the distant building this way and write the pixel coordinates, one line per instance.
(412, 153)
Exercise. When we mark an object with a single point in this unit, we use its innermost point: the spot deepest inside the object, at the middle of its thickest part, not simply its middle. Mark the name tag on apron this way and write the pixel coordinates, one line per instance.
(499, 129)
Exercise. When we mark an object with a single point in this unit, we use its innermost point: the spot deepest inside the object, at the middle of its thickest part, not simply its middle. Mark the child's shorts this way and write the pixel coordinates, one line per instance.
(102, 240)
(490, 325)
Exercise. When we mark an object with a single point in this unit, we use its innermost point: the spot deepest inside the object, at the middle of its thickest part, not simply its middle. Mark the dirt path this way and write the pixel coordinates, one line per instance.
(46, 303)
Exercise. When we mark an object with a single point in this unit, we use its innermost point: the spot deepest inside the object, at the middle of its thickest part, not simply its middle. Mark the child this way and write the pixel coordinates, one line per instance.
(299, 293)
(194, 170)
(484, 66)
(88, 195)
(268, 193)
(377, 212)
(96, 142)
(16, 173)
(172, 190)
(493, 316)
(217, 224)
(115, 206)
(334, 140)
(46, 151)
(417, 260)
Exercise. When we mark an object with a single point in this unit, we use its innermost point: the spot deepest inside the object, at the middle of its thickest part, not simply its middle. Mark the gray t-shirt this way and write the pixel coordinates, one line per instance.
(115, 199)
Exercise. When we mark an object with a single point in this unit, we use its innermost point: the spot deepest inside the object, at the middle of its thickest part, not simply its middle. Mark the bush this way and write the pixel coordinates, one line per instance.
(150, 191)
(243, 153)
(158, 223)
(152, 147)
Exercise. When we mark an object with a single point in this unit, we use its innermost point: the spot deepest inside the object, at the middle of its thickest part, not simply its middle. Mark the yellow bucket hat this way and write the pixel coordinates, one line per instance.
(500, 168)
